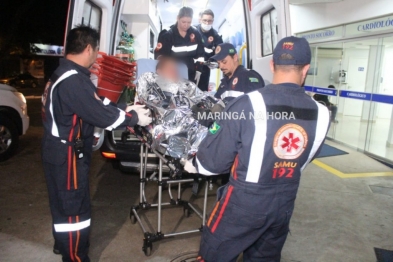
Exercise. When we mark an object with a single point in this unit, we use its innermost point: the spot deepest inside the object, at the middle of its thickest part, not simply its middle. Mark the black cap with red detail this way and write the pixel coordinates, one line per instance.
(292, 51)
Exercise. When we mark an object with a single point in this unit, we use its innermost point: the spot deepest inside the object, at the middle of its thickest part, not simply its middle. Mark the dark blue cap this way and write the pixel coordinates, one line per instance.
(292, 51)
(223, 50)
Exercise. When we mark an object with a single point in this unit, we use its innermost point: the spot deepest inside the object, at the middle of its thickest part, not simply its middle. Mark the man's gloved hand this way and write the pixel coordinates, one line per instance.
(143, 114)
(189, 167)
(203, 115)
(144, 119)
(199, 112)
(212, 64)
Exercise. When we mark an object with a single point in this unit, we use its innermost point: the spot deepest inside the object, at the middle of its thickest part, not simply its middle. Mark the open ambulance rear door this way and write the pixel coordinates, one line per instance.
(102, 15)
(268, 22)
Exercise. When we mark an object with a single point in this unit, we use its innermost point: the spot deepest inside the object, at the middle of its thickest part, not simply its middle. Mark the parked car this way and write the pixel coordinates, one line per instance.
(6, 81)
(24, 80)
(14, 120)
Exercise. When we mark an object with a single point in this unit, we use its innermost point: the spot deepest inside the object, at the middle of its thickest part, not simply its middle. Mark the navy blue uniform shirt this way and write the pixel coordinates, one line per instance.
(74, 96)
(242, 81)
(184, 49)
(211, 40)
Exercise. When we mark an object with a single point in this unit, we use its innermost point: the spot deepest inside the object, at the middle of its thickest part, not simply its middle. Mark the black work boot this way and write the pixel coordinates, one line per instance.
(56, 249)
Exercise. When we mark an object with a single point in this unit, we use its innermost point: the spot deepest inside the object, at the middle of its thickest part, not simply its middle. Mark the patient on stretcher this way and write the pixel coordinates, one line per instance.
(167, 68)
(174, 131)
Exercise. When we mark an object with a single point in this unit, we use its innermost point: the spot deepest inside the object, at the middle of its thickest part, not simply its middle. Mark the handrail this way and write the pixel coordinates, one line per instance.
(241, 53)
(218, 78)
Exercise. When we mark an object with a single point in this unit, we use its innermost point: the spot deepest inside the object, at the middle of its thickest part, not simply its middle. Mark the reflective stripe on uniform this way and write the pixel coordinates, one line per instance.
(202, 170)
(224, 205)
(259, 140)
(208, 50)
(72, 226)
(179, 49)
(320, 132)
(120, 120)
(231, 93)
(55, 130)
(200, 59)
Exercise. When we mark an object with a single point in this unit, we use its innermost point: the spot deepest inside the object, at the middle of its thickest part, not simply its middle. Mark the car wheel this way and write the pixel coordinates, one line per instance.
(33, 85)
(9, 138)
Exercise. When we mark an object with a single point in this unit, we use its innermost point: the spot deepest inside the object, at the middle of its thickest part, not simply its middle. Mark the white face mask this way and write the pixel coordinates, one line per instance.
(206, 27)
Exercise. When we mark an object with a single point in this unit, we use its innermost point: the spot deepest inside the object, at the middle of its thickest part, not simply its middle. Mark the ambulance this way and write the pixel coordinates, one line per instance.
(351, 41)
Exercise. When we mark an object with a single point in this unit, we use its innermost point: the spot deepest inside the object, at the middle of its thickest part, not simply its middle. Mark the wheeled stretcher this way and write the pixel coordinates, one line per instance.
(175, 177)
(169, 148)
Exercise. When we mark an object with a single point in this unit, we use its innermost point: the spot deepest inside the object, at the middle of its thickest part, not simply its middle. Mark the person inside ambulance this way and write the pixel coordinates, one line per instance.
(184, 43)
(70, 110)
(237, 79)
(211, 40)
(236, 82)
(278, 132)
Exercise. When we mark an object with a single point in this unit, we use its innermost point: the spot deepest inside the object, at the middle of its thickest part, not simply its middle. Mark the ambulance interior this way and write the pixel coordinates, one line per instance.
(146, 19)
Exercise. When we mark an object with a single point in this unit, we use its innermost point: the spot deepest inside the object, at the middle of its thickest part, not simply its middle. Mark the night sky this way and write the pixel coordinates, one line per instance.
(31, 21)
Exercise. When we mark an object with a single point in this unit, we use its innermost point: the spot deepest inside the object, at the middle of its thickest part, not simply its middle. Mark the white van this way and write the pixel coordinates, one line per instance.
(238, 21)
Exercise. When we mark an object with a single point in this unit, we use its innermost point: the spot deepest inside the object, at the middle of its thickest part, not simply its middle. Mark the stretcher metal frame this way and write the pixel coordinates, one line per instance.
(188, 208)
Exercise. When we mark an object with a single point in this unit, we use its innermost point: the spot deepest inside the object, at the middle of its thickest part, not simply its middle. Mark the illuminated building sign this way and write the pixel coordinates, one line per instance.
(50, 50)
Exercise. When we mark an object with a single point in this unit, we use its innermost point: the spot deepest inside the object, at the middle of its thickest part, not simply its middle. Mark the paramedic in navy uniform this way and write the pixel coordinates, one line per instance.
(70, 110)
(184, 43)
(266, 151)
(211, 40)
(237, 79)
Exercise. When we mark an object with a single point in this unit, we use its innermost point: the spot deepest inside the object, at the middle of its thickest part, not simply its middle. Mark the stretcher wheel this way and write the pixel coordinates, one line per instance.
(132, 218)
(187, 212)
(147, 250)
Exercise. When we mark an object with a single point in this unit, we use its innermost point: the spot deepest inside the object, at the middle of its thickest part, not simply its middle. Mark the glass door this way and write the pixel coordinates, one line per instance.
(357, 69)
(380, 138)
(324, 79)
(360, 74)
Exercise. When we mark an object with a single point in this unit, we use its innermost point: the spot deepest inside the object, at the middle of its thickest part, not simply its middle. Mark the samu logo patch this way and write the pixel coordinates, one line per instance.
(214, 128)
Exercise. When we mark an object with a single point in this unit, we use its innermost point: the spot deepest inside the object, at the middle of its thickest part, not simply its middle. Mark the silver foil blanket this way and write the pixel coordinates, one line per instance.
(175, 132)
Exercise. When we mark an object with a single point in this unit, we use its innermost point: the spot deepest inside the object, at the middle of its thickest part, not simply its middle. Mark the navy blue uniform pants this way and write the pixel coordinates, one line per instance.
(69, 199)
(252, 220)
(205, 79)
